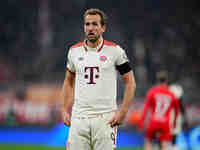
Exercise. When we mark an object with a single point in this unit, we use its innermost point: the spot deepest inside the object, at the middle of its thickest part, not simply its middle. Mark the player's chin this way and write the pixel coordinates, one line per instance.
(92, 38)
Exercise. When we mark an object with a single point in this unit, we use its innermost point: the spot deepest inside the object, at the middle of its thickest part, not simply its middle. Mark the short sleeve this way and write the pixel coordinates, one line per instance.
(69, 62)
(121, 56)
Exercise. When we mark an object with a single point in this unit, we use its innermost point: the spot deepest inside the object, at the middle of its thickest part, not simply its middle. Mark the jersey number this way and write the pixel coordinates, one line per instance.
(162, 104)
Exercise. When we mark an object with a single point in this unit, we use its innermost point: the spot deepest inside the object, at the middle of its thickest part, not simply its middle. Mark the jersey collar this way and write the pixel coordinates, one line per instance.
(97, 49)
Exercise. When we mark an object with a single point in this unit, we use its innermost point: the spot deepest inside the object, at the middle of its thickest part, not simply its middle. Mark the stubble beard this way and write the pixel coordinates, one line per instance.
(93, 39)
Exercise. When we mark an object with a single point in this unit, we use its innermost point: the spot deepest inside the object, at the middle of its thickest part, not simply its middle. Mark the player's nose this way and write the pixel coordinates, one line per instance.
(90, 27)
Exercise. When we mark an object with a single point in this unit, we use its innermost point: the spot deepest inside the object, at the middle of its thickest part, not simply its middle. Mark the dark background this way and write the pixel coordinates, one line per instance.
(34, 35)
(34, 38)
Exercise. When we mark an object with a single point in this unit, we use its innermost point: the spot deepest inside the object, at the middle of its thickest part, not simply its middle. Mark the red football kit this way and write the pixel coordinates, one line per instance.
(162, 102)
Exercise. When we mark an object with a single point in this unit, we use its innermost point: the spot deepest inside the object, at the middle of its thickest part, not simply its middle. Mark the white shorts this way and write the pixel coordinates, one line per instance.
(92, 133)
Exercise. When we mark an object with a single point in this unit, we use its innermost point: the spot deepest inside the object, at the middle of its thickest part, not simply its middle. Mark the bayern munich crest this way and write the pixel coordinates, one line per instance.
(103, 58)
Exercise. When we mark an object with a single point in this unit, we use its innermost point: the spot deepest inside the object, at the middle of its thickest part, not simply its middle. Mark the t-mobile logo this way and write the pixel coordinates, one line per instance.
(91, 75)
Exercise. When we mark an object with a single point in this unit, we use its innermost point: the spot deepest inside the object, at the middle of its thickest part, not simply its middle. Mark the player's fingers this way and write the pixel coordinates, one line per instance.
(67, 120)
(115, 124)
(67, 123)
(112, 125)
(111, 121)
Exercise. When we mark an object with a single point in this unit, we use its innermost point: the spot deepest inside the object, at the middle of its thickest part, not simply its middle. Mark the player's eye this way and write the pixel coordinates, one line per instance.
(94, 23)
(87, 23)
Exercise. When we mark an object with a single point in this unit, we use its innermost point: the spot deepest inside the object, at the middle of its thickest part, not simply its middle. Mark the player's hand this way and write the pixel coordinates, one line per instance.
(117, 119)
(67, 118)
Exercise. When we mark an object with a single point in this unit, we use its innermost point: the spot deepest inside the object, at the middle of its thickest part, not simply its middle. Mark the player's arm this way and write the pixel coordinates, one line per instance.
(68, 96)
(68, 87)
(129, 91)
(146, 108)
(177, 110)
(123, 67)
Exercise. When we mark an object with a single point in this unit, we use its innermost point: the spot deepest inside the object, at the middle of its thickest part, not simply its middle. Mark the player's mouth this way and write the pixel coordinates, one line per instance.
(91, 34)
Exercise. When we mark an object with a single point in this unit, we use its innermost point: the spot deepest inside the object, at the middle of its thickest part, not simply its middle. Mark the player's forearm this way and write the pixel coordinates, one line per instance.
(175, 117)
(129, 93)
(68, 100)
(68, 96)
(177, 111)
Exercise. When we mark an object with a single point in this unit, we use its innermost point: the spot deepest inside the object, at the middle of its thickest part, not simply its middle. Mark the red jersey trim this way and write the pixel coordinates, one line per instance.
(109, 43)
(77, 45)
(85, 47)
(101, 46)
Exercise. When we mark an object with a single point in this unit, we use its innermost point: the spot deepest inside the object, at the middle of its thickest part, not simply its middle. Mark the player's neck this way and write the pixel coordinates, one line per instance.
(94, 44)
(163, 84)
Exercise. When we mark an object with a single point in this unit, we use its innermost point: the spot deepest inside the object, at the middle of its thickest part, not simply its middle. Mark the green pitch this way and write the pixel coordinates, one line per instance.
(28, 147)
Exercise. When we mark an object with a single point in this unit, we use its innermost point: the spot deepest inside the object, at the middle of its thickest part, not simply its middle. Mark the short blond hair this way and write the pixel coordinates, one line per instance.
(96, 11)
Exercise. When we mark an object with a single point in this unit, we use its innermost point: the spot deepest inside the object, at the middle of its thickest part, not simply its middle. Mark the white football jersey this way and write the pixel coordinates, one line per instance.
(95, 77)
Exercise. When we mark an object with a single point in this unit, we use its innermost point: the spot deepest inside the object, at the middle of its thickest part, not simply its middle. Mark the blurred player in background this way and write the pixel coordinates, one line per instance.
(181, 121)
(161, 101)
(90, 88)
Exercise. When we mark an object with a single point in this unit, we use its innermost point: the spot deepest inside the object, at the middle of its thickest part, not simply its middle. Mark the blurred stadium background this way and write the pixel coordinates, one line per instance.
(34, 35)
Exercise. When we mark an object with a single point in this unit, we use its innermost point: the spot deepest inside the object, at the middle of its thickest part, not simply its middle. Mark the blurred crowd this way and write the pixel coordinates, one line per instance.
(37, 104)
(35, 34)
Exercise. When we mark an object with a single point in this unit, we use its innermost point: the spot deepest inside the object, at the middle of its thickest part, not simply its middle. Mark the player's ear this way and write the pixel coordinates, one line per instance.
(104, 28)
